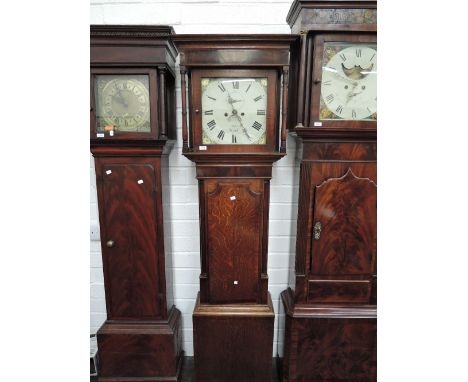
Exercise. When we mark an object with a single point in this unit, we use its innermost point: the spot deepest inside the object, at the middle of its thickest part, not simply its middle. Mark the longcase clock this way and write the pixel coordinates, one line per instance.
(233, 132)
(132, 131)
(331, 302)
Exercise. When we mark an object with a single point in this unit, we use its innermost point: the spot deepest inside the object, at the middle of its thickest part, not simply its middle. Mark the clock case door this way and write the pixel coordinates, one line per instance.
(153, 99)
(130, 216)
(272, 117)
(319, 42)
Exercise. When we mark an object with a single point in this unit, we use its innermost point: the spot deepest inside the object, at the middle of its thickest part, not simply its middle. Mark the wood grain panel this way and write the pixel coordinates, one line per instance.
(346, 207)
(332, 350)
(130, 220)
(339, 291)
(234, 233)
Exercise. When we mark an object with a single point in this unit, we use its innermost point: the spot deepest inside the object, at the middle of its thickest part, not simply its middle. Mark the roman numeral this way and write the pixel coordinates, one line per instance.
(234, 139)
(353, 113)
(221, 134)
(208, 112)
(257, 126)
(369, 110)
(211, 124)
(235, 84)
(258, 98)
(358, 52)
(248, 87)
(261, 112)
(372, 57)
(343, 57)
(330, 98)
(328, 82)
(221, 86)
(214, 99)
(339, 109)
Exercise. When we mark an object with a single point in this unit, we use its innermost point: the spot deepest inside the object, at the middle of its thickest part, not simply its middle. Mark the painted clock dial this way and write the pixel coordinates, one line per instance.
(234, 110)
(349, 82)
(122, 103)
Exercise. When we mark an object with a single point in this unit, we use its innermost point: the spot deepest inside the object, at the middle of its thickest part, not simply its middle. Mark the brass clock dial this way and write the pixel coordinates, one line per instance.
(122, 103)
(349, 82)
(234, 110)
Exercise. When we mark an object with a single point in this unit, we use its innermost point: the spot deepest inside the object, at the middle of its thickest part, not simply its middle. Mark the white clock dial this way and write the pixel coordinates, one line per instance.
(349, 82)
(234, 110)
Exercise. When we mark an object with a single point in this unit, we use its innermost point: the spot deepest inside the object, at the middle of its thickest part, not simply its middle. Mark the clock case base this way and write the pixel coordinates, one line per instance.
(141, 351)
(233, 342)
(329, 342)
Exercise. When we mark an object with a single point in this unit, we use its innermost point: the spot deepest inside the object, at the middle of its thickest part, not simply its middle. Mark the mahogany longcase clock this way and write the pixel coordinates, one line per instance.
(132, 131)
(331, 302)
(234, 133)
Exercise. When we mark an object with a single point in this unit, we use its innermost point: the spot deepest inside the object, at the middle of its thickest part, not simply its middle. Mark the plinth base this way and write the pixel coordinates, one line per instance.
(329, 343)
(233, 342)
(149, 351)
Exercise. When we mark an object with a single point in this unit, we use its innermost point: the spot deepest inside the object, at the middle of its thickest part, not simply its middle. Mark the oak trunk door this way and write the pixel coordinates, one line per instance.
(131, 261)
(344, 239)
(234, 233)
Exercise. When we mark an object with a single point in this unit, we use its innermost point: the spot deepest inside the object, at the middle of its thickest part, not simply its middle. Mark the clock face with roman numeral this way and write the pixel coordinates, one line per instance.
(234, 110)
(122, 103)
(349, 82)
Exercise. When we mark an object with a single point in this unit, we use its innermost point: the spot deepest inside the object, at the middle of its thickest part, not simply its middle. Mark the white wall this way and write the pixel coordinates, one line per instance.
(204, 16)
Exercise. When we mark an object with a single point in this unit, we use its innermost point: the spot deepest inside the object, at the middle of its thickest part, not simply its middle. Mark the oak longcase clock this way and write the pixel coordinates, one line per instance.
(331, 304)
(233, 130)
(132, 130)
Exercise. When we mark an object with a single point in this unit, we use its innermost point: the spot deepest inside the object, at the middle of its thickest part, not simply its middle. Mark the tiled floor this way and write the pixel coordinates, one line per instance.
(187, 371)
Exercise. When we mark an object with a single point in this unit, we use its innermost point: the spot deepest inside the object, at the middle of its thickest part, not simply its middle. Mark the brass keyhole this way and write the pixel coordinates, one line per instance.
(110, 243)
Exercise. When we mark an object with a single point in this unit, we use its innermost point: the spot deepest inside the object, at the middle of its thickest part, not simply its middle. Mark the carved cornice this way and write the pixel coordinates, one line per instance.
(132, 31)
(298, 5)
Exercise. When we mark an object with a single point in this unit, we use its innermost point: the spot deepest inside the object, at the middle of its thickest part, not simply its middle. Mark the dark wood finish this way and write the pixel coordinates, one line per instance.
(332, 15)
(331, 311)
(233, 319)
(141, 339)
(329, 343)
(233, 342)
(133, 49)
(129, 214)
(141, 352)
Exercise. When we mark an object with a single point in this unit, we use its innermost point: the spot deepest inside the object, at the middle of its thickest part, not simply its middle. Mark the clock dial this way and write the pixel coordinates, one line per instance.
(234, 110)
(349, 82)
(122, 103)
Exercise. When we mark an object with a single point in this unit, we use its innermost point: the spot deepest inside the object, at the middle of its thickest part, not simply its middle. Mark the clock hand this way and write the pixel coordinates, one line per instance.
(335, 74)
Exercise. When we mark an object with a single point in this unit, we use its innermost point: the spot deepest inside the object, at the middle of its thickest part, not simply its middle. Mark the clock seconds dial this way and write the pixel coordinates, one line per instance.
(234, 110)
(349, 83)
(124, 104)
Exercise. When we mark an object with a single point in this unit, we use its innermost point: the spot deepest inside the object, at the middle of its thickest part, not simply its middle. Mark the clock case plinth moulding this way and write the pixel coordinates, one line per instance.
(141, 340)
(331, 319)
(233, 331)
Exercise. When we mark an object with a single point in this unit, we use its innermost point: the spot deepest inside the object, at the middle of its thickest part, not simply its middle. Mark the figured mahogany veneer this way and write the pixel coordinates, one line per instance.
(141, 339)
(331, 305)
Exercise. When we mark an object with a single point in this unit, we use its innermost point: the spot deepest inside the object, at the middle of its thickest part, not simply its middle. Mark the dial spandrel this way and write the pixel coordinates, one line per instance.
(122, 103)
(234, 110)
(349, 82)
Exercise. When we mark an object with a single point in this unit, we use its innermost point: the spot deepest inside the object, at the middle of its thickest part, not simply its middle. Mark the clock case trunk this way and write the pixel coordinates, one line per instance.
(330, 305)
(233, 318)
(141, 340)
